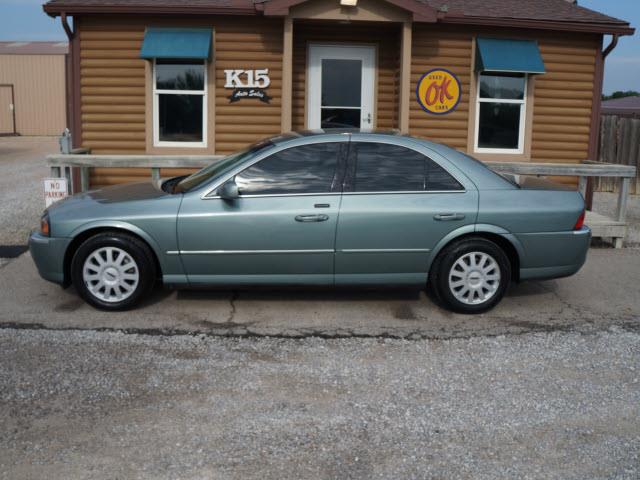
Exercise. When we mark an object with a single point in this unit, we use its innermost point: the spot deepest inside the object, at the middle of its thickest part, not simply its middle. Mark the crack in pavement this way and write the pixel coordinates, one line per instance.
(232, 303)
(627, 324)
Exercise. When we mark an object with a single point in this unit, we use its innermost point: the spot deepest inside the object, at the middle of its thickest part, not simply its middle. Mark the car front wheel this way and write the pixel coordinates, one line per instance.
(471, 276)
(112, 271)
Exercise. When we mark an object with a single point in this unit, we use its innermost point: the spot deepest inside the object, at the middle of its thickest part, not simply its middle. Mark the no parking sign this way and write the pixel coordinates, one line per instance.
(54, 189)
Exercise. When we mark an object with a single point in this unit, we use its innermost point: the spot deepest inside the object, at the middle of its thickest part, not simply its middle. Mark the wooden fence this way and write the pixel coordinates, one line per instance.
(619, 143)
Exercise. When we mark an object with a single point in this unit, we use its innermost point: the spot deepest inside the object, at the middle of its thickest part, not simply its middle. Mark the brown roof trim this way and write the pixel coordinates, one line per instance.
(240, 9)
(587, 27)
(421, 12)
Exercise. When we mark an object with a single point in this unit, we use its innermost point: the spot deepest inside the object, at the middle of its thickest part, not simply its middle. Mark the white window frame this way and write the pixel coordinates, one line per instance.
(156, 111)
(523, 117)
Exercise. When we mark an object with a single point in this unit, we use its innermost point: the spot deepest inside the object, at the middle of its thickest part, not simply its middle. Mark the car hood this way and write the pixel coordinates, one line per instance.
(129, 192)
(135, 203)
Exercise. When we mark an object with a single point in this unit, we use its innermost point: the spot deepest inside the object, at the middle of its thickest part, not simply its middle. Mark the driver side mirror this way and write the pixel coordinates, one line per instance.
(229, 190)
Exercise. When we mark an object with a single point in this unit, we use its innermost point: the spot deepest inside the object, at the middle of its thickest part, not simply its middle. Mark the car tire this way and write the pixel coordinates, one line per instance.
(471, 275)
(113, 271)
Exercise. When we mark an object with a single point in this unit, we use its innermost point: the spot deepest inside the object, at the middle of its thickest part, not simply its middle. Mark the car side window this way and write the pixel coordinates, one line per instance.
(303, 169)
(381, 167)
(439, 179)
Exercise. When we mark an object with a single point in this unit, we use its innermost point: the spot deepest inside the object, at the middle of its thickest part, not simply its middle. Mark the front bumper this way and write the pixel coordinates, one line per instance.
(48, 255)
(554, 254)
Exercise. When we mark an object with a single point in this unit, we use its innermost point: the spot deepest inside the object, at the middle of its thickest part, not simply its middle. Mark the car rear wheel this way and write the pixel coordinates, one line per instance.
(112, 271)
(471, 276)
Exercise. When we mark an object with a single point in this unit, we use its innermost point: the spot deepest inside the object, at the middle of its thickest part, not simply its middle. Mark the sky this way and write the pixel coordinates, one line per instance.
(25, 20)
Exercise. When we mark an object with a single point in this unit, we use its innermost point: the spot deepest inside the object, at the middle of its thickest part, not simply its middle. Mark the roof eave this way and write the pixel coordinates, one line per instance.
(586, 27)
(54, 10)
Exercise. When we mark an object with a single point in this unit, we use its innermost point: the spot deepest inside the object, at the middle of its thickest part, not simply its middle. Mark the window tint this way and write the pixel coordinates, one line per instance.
(439, 179)
(390, 168)
(305, 169)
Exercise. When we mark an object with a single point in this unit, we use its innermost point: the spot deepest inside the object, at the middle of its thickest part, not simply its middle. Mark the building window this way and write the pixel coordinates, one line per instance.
(500, 112)
(179, 103)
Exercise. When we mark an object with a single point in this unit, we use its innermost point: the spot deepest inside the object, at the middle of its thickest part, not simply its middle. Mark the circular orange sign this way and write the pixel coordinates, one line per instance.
(438, 91)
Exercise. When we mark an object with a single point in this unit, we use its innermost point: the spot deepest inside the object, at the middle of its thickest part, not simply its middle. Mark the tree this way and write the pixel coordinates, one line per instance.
(620, 94)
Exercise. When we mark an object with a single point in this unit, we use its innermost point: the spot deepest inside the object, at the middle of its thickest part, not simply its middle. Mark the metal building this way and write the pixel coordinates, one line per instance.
(32, 88)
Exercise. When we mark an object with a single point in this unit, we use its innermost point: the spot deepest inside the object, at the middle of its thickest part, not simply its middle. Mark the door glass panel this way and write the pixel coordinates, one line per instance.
(341, 83)
(439, 179)
(388, 168)
(340, 118)
(305, 169)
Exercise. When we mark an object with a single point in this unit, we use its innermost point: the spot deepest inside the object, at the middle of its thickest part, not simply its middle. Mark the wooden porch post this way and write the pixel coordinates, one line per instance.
(287, 73)
(405, 77)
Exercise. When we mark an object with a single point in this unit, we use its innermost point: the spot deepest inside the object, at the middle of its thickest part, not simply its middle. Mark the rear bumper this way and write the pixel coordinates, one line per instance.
(48, 255)
(553, 254)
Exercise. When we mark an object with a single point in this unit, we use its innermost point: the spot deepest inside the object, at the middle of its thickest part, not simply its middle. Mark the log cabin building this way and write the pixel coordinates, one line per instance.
(513, 80)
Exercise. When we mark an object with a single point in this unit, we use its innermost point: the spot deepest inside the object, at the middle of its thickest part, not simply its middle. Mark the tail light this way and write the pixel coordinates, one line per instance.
(580, 221)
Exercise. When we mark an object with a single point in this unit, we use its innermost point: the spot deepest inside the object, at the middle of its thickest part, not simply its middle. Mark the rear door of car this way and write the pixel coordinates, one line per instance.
(281, 229)
(397, 204)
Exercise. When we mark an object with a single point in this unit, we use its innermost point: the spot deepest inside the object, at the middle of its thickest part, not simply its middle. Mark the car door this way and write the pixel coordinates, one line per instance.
(397, 204)
(281, 228)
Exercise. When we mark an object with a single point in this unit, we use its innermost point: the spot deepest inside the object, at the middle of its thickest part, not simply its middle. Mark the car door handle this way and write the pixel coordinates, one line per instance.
(312, 218)
(447, 217)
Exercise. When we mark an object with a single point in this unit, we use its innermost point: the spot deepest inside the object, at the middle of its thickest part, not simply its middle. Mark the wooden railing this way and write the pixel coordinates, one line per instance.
(601, 226)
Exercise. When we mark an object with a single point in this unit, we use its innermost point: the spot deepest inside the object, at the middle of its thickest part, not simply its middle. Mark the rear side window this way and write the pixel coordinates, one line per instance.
(304, 169)
(380, 167)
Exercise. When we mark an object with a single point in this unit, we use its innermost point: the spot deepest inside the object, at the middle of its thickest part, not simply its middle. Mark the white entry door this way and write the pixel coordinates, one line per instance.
(341, 86)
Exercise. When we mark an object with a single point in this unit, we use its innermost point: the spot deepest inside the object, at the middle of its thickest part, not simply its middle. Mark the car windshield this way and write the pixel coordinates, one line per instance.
(219, 166)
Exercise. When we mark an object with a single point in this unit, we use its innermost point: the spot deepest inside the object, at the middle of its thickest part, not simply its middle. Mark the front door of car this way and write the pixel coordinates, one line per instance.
(281, 227)
(397, 204)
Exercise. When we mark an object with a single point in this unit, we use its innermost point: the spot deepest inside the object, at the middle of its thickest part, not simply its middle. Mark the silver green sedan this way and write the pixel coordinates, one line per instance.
(318, 208)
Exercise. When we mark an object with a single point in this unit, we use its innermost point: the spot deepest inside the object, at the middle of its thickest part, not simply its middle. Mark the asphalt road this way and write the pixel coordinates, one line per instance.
(605, 292)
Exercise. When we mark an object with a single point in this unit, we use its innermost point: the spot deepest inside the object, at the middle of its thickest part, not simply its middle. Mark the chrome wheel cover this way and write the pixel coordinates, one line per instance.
(110, 274)
(474, 278)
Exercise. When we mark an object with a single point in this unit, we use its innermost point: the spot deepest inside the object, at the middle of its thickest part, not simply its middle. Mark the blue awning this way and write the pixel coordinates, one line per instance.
(188, 43)
(505, 55)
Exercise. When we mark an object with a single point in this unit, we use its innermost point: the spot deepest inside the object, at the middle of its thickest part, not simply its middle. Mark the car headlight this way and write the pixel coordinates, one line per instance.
(45, 229)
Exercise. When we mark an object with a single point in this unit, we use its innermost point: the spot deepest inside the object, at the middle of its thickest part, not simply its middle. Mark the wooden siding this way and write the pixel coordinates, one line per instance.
(247, 44)
(387, 40)
(563, 98)
(113, 80)
(439, 47)
(112, 87)
(112, 94)
(39, 89)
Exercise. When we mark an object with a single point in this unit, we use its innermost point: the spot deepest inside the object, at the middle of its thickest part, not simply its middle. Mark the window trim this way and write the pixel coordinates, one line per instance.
(523, 117)
(156, 111)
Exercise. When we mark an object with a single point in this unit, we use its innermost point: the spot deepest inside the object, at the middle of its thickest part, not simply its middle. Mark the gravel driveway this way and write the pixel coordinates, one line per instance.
(100, 405)
(23, 166)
